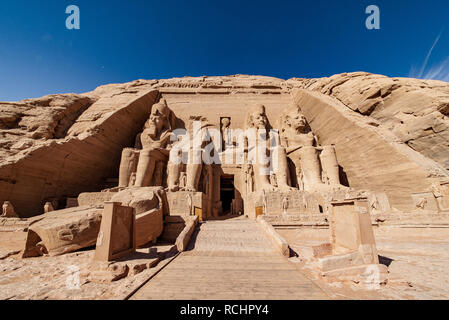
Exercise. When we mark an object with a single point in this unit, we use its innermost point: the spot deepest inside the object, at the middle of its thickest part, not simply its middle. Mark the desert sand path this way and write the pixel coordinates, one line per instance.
(228, 260)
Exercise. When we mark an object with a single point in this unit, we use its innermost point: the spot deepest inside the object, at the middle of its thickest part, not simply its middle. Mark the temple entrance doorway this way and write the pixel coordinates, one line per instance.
(227, 192)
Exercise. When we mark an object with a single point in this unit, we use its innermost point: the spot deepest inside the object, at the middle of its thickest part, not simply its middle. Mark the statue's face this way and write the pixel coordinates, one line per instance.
(225, 122)
(156, 121)
(259, 120)
(297, 121)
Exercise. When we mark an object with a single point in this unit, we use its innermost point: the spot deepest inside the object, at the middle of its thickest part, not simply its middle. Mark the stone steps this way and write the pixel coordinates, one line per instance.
(227, 260)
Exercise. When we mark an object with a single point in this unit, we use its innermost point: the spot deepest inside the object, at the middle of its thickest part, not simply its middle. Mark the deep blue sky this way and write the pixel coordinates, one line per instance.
(121, 41)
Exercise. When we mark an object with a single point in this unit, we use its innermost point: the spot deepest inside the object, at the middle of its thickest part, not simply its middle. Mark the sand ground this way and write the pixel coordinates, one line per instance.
(417, 259)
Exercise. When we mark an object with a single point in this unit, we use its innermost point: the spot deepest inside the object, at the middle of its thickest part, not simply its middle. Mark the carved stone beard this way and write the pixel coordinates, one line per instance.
(297, 128)
(152, 130)
(300, 129)
(260, 125)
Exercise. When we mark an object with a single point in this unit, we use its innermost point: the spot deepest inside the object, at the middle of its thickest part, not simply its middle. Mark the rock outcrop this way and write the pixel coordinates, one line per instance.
(80, 160)
(416, 111)
(63, 231)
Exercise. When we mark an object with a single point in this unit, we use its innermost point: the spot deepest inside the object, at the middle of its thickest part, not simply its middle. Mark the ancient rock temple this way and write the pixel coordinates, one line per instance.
(128, 167)
(341, 137)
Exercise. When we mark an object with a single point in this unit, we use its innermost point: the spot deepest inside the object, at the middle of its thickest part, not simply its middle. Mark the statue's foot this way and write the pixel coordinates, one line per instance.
(173, 188)
(269, 187)
(330, 188)
(286, 188)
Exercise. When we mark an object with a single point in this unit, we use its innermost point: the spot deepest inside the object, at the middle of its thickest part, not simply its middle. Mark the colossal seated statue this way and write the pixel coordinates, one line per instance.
(189, 169)
(148, 163)
(316, 166)
(276, 159)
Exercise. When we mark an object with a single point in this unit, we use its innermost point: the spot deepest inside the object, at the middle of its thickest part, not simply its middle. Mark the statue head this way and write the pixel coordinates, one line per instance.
(295, 120)
(257, 117)
(159, 118)
(7, 208)
(225, 122)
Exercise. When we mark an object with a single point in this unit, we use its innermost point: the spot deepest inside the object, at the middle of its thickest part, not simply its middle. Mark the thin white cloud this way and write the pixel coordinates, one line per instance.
(429, 54)
(438, 71)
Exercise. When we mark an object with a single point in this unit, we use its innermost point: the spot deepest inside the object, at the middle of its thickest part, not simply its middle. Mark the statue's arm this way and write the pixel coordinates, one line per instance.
(292, 149)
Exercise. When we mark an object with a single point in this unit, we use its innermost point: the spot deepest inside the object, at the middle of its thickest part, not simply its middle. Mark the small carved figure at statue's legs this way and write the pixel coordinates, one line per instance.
(193, 176)
(132, 180)
(174, 171)
(128, 165)
(282, 172)
(310, 167)
(262, 172)
(158, 173)
(262, 177)
(330, 165)
(145, 169)
(193, 171)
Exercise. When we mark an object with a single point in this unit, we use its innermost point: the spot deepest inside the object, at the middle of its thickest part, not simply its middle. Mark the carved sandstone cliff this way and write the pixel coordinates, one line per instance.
(416, 111)
(391, 134)
(51, 166)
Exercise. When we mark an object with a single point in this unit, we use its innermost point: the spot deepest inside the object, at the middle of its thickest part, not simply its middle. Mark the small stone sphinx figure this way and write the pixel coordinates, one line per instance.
(257, 119)
(317, 165)
(155, 141)
(48, 207)
(8, 210)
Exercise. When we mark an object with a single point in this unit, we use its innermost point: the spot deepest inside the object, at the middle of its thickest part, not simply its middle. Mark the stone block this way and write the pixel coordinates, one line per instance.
(351, 228)
(63, 231)
(117, 236)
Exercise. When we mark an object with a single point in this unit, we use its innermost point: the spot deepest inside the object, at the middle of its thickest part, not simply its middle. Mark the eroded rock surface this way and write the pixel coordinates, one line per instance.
(63, 231)
(416, 111)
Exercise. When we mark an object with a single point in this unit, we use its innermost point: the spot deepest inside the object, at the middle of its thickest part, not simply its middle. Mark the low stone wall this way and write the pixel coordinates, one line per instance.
(279, 242)
(183, 239)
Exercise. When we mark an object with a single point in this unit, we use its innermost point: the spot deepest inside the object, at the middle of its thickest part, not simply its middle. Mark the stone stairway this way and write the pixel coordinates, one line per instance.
(228, 260)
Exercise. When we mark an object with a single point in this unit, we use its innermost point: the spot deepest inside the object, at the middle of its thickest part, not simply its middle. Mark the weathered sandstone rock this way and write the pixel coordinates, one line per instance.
(371, 155)
(81, 159)
(149, 203)
(63, 231)
(416, 111)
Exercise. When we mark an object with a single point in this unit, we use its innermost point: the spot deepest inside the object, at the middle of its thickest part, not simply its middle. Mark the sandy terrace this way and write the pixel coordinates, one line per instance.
(417, 258)
(55, 277)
